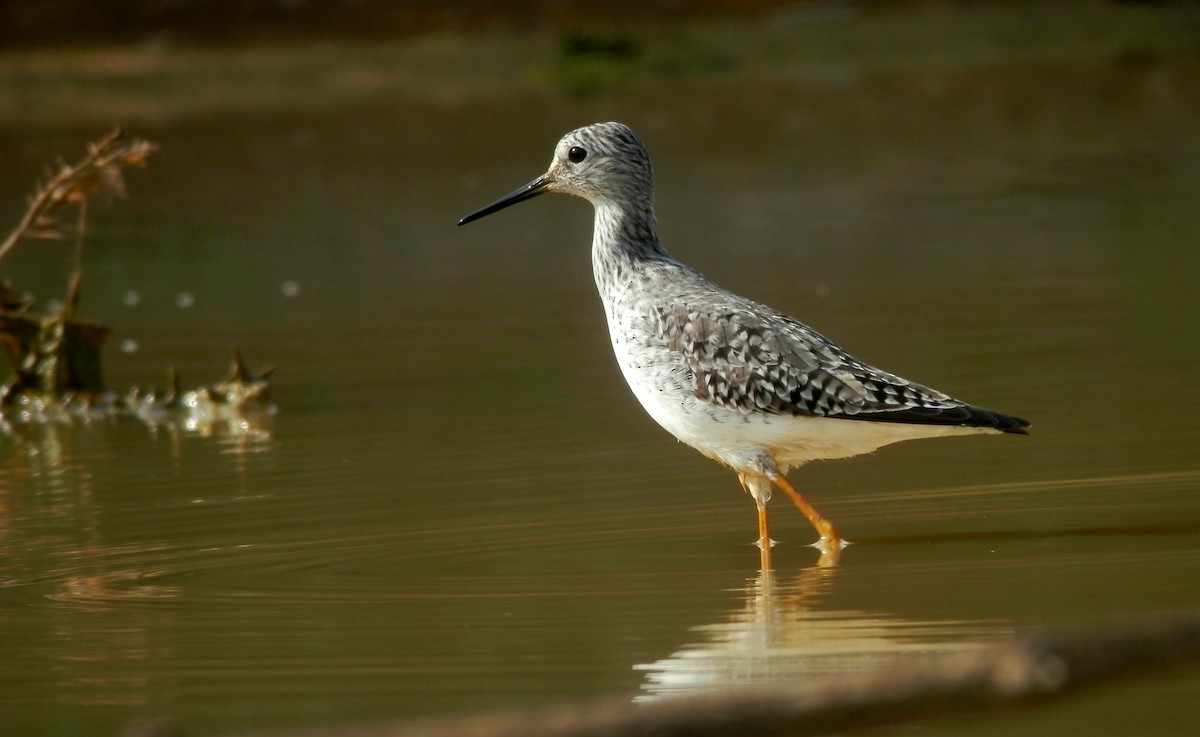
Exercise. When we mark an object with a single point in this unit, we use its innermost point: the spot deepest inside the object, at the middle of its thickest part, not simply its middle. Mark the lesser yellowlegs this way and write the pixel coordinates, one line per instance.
(742, 383)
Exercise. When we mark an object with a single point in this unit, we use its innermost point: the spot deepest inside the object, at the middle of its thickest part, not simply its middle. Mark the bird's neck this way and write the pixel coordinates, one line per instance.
(624, 237)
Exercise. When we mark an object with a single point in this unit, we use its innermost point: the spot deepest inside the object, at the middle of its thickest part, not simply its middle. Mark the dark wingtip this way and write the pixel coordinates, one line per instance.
(980, 417)
(961, 415)
(1014, 425)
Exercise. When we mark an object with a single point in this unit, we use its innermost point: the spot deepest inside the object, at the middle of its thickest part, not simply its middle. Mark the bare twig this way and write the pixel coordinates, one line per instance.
(57, 354)
(98, 171)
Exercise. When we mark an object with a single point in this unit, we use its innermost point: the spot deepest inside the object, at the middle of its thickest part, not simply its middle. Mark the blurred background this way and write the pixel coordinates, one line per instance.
(456, 504)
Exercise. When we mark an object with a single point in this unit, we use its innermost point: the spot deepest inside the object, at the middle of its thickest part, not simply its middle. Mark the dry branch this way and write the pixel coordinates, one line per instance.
(53, 355)
(97, 172)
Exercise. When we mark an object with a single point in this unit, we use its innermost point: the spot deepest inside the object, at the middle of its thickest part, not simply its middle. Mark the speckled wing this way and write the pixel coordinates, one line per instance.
(752, 359)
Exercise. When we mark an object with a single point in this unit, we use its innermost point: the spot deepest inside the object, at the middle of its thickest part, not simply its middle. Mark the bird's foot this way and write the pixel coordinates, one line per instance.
(831, 550)
(830, 544)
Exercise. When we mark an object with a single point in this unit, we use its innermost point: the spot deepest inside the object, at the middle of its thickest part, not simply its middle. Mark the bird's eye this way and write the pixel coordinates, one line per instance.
(576, 154)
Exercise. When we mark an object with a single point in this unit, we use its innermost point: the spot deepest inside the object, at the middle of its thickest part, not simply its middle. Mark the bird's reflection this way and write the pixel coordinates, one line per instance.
(779, 636)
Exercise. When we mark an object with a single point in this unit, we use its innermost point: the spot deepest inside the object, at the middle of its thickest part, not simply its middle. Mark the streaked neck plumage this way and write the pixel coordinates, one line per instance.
(625, 236)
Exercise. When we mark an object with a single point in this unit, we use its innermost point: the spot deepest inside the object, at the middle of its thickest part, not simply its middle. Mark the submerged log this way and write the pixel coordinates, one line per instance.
(1026, 672)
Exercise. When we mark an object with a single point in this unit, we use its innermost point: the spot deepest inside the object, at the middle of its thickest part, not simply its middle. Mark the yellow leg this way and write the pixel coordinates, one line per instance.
(759, 488)
(830, 539)
(764, 538)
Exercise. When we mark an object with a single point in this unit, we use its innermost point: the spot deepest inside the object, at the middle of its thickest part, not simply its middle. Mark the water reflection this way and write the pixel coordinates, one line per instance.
(52, 519)
(779, 636)
(236, 432)
(93, 539)
(235, 429)
(49, 505)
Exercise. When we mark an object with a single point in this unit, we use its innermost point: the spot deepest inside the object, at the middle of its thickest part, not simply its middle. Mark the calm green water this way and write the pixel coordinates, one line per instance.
(459, 506)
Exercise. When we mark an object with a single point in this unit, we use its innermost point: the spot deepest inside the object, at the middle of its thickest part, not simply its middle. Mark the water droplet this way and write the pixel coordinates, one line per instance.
(184, 300)
(131, 298)
(129, 345)
(290, 288)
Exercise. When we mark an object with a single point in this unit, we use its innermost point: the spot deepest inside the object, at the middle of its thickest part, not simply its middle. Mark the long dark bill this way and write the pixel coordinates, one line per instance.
(529, 191)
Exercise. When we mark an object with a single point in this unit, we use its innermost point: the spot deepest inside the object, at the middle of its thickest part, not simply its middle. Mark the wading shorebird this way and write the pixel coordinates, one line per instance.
(742, 383)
